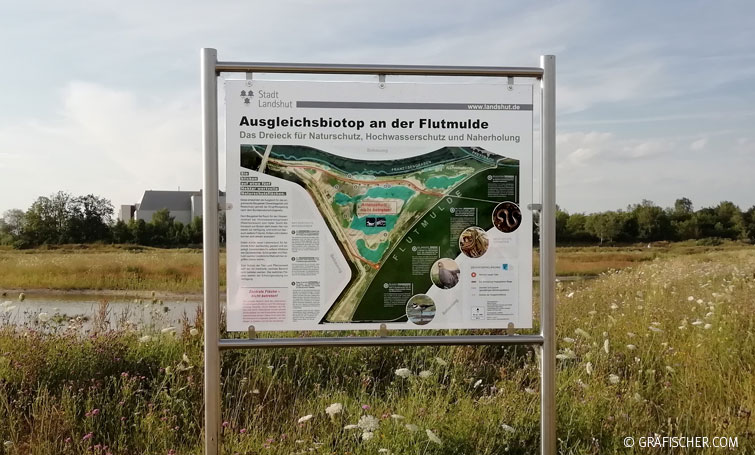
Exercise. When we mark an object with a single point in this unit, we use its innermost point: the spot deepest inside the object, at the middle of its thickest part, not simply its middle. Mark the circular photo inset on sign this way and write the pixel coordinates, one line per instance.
(445, 273)
(473, 242)
(420, 309)
(507, 217)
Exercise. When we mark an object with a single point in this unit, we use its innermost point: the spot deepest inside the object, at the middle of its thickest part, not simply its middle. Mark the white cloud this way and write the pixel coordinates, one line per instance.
(103, 141)
(699, 144)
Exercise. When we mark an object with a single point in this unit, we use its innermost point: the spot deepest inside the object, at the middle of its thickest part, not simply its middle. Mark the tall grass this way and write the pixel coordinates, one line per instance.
(670, 346)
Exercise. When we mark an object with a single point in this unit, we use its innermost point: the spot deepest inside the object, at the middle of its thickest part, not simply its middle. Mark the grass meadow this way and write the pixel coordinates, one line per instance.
(665, 346)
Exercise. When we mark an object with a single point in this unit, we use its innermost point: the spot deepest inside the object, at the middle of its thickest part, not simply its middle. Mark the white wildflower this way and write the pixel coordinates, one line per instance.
(699, 301)
(631, 335)
(145, 339)
(403, 373)
(508, 428)
(530, 390)
(256, 391)
(669, 368)
(592, 312)
(655, 329)
(697, 322)
(568, 340)
(440, 361)
(334, 409)
(477, 383)
(411, 427)
(588, 368)
(570, 295)
(708, 326)
(631, 347)
(433, 437)
(170, 329)
(368, 423)
(655, 323)
(185, 358)
(690, 298)
(581, 384)
(43, 317)
(606, 346)
(582, 333)
(351, 427)
(637, 397)
(614, 306)
(8, 444)
(306, 418)
(385, 451)
(397, 416)
(613, 379)
(425, 374)
(193, 332)
(367, 435)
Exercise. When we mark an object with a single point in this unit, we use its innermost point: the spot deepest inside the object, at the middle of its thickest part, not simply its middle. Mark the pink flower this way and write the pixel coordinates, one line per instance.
(226, 424)
(242, 431)
(87, 436)
(95, 412)
(365, 407)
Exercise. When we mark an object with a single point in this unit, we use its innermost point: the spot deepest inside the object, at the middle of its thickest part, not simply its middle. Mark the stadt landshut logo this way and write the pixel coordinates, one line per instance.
(247, 96)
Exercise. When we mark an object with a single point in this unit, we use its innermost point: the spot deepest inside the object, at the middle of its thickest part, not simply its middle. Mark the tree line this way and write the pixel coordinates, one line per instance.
(62, 218)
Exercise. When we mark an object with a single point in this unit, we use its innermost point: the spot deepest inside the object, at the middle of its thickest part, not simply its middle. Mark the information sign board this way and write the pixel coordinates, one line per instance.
(356, 204)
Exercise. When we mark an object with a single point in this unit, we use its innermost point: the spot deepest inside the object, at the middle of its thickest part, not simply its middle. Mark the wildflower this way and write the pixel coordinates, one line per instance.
(631, 347)
(411, 427)
(568, 340)
(365, 407)
(256, 391)
(530, 390)
(655, 329)
(631, 335)
(570, 295)
(185, 358)
(397, 417)
(367, 435)
(613, 379)
(588, 368)
(368, 423)
(433, 437)
(87, 436)
(385, 451)
(605, 346)
(477, 383)
(351, 427)
(305, 418)
(507, 428)
(440, 361)
(334, 409)
(242, 431)
(193, 332)
(170, 329)
(581, 384)
(582, 333)
(637, 397)
(708, 326)
(669, 368)
(403, 373)
(43, 317)
(690, 298)
(699, 301)
(614, 306)
(168, 370)
(697, 322)
(425, 374)
(8, 444)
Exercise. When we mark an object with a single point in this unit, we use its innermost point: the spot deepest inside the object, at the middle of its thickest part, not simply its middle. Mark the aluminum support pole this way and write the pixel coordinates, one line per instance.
(210, 250)
(548, 259)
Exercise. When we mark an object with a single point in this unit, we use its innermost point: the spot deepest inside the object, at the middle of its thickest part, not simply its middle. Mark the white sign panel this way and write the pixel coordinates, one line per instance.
(355, 204)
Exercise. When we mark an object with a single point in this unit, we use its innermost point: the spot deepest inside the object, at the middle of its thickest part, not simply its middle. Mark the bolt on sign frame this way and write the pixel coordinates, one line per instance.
(546, 339)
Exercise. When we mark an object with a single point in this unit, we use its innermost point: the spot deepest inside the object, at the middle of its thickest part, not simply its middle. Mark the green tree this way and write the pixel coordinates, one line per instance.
(604, 226)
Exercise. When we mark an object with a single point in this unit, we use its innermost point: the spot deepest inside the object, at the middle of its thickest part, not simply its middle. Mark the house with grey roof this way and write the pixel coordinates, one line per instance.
(182, 205)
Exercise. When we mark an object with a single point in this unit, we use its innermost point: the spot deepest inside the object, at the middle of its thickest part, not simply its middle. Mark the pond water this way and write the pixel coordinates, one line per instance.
(84, 312)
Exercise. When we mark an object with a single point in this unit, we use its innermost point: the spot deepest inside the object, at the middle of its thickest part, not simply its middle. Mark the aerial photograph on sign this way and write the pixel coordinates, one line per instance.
(381, 212)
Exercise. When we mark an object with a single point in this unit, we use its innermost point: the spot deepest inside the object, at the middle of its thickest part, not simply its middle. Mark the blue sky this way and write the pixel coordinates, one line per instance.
(656, 100)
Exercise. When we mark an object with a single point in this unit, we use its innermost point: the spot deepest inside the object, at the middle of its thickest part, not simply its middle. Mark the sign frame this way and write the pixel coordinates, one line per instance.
(211, 69)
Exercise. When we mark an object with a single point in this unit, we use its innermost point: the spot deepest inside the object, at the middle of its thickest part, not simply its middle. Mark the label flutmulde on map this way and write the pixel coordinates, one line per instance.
(355, 205)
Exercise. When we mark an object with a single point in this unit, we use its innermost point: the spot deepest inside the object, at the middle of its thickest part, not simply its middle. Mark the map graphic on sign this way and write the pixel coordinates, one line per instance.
(375, 209)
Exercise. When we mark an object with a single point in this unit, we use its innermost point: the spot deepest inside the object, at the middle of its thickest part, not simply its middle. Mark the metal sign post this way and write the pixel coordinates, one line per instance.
(213, 345)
